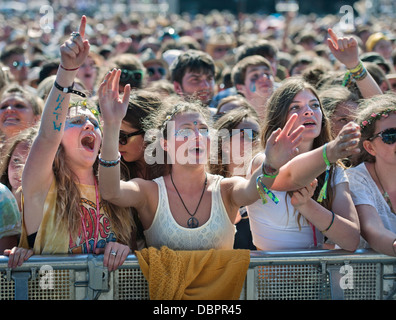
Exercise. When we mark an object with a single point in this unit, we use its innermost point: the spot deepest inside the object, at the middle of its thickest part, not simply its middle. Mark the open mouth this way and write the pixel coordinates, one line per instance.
(309, 124)
(88, 142)
(11, 120)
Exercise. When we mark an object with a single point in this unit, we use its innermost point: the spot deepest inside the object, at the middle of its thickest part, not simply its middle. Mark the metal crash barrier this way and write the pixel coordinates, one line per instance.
(291, 275)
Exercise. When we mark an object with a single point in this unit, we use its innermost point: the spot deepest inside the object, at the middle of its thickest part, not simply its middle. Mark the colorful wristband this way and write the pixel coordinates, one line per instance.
(109, 163)
(322, 194)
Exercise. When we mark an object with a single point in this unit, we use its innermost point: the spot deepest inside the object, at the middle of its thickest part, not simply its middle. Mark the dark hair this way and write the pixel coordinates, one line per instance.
(262, 48)
(10, 51)
(277, 112)
(191, 60)
(229, 121)
(238, 72)
(380, 104)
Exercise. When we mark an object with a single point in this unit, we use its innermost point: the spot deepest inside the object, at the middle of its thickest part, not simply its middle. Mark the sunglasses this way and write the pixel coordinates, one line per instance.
(187, 133)
(20, 64)
(123, 138)
(246, 134)
(128, 75)
(151, 71)
(388, 136)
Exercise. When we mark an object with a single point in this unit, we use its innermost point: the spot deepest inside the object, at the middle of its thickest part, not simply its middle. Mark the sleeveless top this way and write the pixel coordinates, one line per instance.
(217, 233)
(275, 226)
(54, 238)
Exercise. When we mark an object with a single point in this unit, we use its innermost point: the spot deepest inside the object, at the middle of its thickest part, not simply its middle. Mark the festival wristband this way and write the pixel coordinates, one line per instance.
(271, 173)
(267, 191)
(322, 194)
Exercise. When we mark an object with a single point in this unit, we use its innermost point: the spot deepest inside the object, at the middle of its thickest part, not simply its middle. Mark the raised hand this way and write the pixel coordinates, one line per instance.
(113, 108)
(283, 144)
(345, 144)
(75, 50)
(344, 49)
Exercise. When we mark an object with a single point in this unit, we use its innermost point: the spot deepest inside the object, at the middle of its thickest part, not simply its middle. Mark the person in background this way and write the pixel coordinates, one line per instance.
(253, 78)
(10, 219)
(238, 131)
(192, 74)
(19, 110)
(14, 159)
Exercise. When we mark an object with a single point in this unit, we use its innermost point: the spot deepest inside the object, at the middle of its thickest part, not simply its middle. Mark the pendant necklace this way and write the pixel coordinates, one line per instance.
(384, 194)
(192, 222)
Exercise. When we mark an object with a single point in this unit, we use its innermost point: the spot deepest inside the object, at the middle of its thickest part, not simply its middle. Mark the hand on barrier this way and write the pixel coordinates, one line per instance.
(17, 256)
(114, 254)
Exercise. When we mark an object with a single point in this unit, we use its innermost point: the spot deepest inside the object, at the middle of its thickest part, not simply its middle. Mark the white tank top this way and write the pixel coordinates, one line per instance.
(217, 233)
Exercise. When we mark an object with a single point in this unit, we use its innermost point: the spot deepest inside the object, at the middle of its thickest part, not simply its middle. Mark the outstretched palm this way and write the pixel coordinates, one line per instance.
(113, 107)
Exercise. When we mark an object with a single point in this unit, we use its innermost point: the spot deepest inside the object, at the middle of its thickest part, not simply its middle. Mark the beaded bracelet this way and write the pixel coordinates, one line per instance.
(322, 194)
(331, 223)
(109, 163)
(359, 72)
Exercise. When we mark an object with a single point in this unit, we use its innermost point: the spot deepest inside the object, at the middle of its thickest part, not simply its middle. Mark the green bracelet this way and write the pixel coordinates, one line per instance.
(266, 175)
(322, 194)
(331, 223)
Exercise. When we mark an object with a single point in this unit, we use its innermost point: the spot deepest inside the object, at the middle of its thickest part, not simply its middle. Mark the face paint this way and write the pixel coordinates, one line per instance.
(252, 86)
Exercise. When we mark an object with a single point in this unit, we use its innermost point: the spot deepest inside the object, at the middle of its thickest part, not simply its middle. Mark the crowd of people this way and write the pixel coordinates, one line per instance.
(196, 133)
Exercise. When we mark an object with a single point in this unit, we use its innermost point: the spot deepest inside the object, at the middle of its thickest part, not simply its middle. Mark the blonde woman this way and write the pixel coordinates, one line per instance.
(63, 211)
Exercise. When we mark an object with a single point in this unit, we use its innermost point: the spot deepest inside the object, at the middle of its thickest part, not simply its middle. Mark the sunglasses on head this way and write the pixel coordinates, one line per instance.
(123, 138)
(388, 136)
(20, 64)
(128, 75)
(246, 134)
(151, 71)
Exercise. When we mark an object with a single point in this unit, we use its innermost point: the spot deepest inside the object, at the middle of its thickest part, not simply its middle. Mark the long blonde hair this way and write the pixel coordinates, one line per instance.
(69, 198)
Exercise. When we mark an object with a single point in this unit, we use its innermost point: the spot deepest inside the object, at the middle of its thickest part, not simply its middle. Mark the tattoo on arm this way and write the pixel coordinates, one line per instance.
(58, 125)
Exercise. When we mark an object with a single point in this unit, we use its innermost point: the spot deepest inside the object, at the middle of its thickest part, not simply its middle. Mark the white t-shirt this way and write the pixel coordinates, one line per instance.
(275, 226)
(365, 191)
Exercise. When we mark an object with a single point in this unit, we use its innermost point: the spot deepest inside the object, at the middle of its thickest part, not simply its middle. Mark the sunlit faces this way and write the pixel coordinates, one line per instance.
(384, 152)
(82, 136)
(384, 48)
(258, 82)
(15, 166)
(198, 85)
(306, 105)
(16, 114)
(342, 115)
(133, 150)
(88, 72)
(189, 143)
(239, 148)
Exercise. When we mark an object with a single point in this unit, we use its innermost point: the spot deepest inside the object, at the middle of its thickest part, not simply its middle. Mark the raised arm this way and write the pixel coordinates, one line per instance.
(113, 109)
(345, 50)
(281, 147)
(37, 174)
(304, 168)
